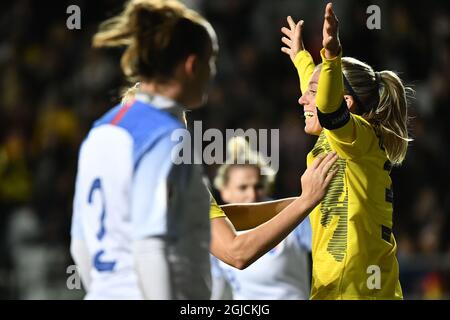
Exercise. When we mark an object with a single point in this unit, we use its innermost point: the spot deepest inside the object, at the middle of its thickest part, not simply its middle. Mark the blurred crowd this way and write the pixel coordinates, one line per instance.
(54, 85)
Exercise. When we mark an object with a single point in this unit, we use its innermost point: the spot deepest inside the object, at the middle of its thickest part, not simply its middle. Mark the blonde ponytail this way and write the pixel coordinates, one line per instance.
(390, 117)
(157, 35)
(385, 105)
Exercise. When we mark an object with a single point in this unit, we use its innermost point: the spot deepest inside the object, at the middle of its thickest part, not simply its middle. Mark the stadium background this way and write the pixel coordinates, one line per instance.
(53, 85)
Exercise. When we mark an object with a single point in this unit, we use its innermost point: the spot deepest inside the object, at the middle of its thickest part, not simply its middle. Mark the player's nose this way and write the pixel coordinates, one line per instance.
(302, 100)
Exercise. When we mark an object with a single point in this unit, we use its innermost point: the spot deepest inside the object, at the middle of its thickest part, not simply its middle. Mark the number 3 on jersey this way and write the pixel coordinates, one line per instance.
(98, 264)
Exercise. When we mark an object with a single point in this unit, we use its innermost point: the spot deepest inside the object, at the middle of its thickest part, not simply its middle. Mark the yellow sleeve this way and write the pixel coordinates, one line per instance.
(360, 145)
(304, 64)
(215, 211)
(330, 94)
(330, 89)
(356, 136)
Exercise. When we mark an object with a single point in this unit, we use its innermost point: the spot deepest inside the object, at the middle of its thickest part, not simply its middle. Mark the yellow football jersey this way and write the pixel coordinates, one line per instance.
(354, 250)
(215, 211)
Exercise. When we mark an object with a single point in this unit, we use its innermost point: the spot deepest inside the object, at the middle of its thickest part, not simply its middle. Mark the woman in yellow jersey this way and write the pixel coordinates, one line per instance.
(362, 115)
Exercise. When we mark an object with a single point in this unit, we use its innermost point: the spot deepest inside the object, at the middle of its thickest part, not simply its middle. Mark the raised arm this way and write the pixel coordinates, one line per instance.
(296, 51)
(333, 111)
(242, 250)
(330, 91)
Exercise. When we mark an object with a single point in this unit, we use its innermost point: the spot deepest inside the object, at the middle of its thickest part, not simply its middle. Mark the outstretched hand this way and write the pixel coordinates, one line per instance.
(293, 38)
(330, 33)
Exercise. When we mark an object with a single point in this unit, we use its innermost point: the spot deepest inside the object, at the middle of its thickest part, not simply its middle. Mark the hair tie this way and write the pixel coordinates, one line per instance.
(378, 79)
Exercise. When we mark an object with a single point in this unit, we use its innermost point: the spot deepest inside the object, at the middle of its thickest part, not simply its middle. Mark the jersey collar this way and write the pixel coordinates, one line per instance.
(162, 103)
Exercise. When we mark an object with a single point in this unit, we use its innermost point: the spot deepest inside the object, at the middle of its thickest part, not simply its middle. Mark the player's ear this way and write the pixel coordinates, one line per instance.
(350, 103)
(191, 65)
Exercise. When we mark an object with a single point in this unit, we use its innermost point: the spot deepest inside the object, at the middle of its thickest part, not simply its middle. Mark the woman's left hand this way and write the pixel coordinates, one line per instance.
(330, 33)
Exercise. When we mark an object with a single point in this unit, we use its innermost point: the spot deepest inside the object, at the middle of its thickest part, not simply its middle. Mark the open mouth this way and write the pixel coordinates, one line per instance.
(308, 114)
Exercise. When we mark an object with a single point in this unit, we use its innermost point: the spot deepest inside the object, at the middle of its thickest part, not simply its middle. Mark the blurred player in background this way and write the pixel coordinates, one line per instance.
(140, 225)
(283, 272)
(362, 115)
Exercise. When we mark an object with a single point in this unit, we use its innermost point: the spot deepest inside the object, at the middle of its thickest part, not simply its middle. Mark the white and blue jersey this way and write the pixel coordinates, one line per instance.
(282, 273)
(128, 189)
